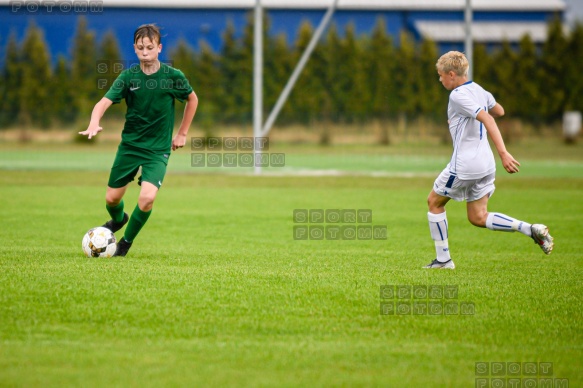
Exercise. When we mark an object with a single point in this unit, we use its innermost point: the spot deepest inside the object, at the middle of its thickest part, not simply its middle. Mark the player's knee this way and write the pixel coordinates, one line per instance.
(478, 219)
(433, 205)
(111, 199)
(146, 201)
(430, 202)
(474, 221)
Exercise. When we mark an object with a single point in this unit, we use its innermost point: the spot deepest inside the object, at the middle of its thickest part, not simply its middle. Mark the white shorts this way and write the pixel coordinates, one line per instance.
(449, 185)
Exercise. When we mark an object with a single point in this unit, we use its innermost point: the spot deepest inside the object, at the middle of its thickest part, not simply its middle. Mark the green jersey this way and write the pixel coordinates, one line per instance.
(150, 101)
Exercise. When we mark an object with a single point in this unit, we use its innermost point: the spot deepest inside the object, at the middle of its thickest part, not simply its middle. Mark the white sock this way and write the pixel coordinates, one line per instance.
(502, 222)
(439, 234)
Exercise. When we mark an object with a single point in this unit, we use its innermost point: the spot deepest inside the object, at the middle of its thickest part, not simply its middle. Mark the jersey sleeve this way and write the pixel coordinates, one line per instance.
(118, 90)
(182, 88)
(491, 100)
(464, 105)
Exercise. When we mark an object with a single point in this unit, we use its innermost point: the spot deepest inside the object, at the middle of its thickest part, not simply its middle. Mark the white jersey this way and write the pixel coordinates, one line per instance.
(472, 156)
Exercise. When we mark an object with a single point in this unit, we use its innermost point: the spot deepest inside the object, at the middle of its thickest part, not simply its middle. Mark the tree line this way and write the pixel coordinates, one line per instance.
(349, 78)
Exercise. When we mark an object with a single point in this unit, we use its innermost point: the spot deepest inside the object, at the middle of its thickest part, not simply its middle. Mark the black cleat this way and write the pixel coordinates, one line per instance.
(115, 226)
(122, 247)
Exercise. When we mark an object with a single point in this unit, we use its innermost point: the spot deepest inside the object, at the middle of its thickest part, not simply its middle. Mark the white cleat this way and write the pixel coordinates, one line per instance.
(541, 236)
(438, 264)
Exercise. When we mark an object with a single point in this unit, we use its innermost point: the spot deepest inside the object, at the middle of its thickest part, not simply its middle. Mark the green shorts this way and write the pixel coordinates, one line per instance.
(127, 163)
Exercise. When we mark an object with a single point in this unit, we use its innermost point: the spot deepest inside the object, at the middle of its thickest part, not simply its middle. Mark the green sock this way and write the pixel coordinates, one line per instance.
(137, 221)
(116, 212)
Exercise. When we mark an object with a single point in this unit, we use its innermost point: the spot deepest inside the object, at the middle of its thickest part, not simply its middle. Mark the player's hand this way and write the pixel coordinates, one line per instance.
(178, 142)
(510, 164)
(92, 130)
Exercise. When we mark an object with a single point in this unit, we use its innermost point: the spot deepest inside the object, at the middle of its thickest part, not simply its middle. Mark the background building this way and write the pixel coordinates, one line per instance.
(196, 20)
(74, 50)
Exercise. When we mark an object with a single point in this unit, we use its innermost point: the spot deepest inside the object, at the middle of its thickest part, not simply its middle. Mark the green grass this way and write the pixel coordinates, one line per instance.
(549, 158)
(216, 291)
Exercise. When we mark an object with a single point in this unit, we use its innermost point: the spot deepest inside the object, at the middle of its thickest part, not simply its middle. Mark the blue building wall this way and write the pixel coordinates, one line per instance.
(209, 24)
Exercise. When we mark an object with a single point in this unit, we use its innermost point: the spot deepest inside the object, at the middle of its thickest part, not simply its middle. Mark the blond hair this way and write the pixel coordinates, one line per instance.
(453, 61)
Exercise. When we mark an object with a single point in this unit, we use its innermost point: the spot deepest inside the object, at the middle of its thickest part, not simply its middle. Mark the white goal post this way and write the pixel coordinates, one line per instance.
(469, 43)
(260, 129)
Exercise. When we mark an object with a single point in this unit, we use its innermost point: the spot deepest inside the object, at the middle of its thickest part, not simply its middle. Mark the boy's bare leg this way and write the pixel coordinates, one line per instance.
(147, 196)
(478, 211)
(479, 216)
(113, 196)
(436, 202)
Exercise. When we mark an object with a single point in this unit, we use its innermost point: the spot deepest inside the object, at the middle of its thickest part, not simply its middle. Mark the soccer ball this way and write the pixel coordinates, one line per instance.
(99, 242)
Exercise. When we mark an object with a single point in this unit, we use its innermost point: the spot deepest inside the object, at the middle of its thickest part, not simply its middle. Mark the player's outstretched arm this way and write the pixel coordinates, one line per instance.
(180, 139)
(93, 129)
(510, 164)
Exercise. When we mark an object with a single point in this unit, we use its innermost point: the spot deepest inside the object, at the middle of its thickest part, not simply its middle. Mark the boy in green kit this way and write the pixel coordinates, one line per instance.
(146, 141)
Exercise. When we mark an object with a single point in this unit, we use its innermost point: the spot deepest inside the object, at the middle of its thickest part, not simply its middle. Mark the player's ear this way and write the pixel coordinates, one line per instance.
(159, 48)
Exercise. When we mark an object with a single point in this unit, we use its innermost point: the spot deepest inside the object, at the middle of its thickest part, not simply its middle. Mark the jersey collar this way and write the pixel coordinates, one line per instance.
(465, 83)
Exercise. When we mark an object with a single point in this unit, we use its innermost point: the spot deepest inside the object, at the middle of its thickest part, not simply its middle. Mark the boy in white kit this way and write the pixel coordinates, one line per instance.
(471, 172)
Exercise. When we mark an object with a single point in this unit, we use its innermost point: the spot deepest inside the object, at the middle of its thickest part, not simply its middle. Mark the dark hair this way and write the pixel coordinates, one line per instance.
(150, 31)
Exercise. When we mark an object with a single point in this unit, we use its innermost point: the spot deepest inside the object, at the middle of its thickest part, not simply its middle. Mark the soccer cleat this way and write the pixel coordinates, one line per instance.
(541, 236)
(438, 264)
(115, 226)
(122, 247)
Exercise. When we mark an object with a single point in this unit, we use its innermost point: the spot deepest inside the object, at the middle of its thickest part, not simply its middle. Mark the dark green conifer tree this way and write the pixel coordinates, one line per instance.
(279, 65)
(407, 75)
(357, 95)
(304, 96)
(109, 66)
(208, 87)
(12, 76)
(552, 72)
(63, 93)
(527, 91)
(84, 69)
(332, 47)
(503, 76)
(573, 78)
(432, 95)
(243, 85)
(482, 67)
(229, 58)
(380, 66)
(36, 102)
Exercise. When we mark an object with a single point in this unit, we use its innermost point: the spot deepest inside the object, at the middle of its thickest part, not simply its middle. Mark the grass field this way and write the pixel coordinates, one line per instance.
(216, 291)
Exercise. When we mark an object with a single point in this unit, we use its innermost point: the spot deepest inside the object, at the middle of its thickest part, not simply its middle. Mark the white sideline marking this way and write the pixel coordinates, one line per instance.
(376, 174)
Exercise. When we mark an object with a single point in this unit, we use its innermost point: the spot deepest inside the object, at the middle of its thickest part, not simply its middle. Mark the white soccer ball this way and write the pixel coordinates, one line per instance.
(99, 242)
